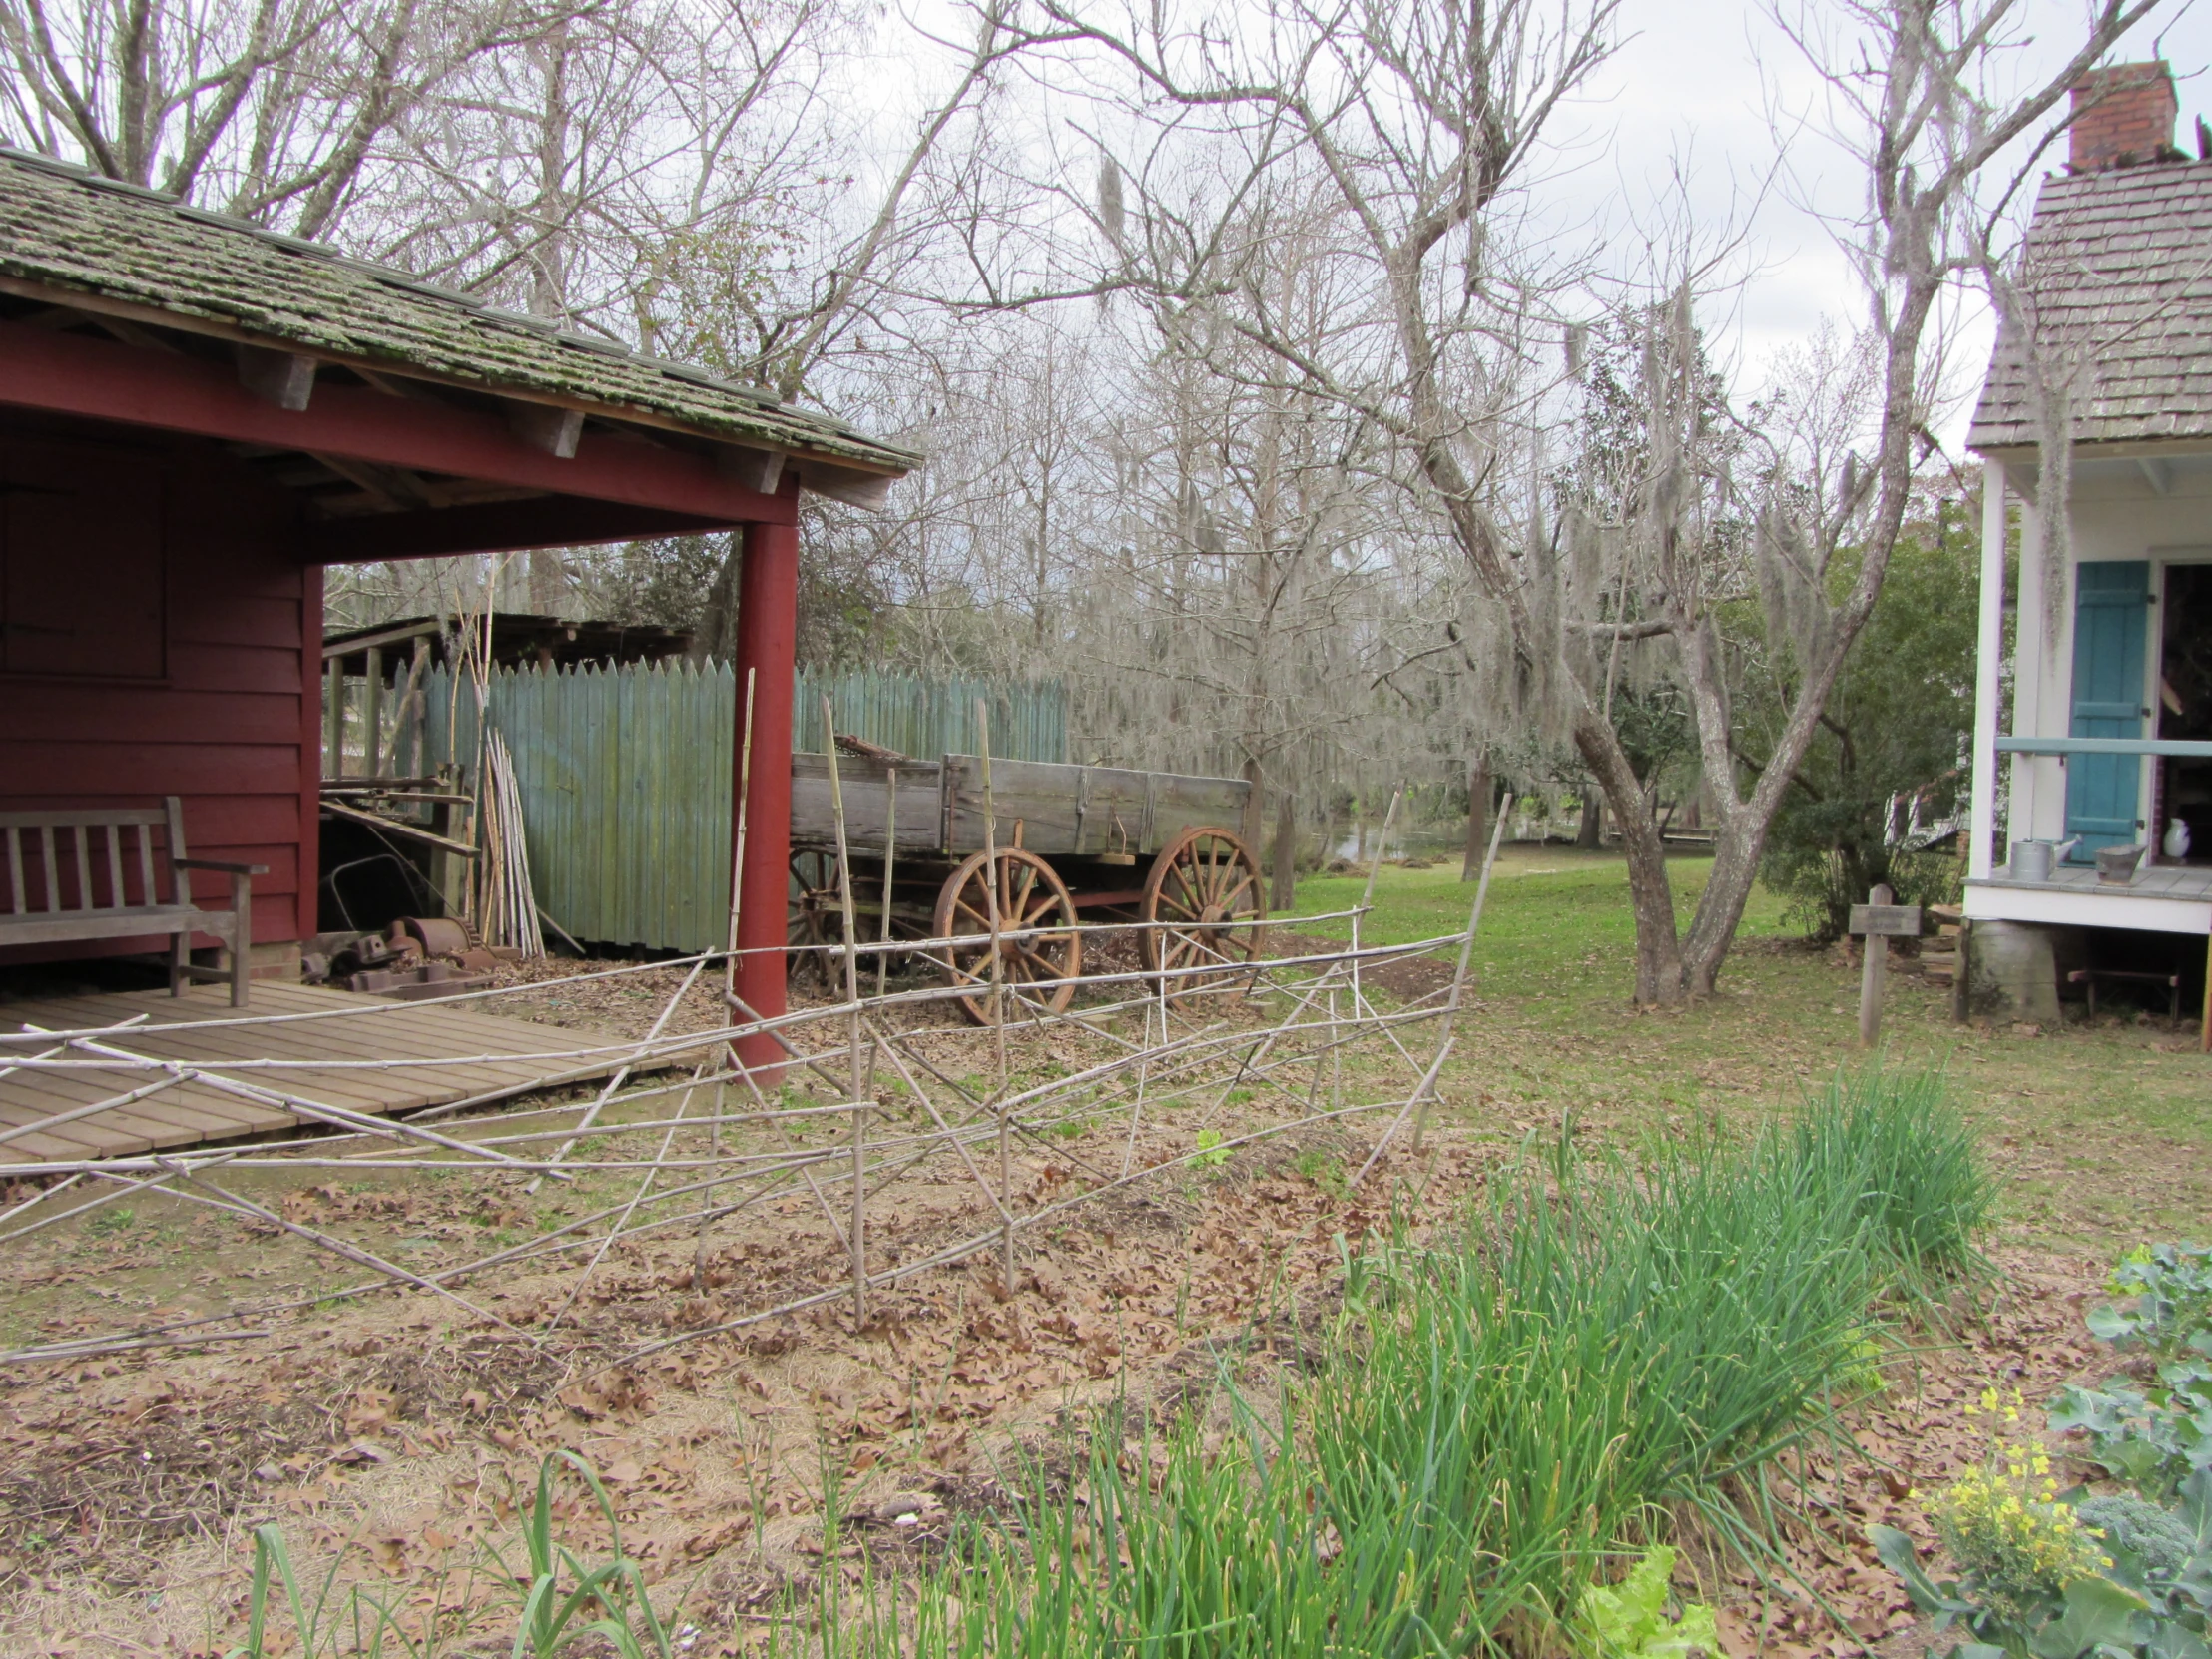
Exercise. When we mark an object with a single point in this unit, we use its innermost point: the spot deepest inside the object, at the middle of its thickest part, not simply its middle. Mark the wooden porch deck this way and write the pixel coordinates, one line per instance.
(2186, 884)
(190, 1112)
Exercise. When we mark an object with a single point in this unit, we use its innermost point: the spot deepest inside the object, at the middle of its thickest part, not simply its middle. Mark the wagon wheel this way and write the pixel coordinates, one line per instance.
(1030, 895)
(813, 917)
(1201, 880)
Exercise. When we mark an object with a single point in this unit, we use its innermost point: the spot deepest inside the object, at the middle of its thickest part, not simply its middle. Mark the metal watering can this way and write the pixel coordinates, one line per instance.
(2034, 861)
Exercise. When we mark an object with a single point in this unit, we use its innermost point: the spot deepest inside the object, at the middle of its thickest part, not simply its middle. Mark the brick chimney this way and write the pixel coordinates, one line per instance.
(2123, 117)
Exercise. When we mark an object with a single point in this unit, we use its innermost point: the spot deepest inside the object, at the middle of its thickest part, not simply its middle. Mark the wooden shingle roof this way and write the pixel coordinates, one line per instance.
(2120, 272)
(64, 228)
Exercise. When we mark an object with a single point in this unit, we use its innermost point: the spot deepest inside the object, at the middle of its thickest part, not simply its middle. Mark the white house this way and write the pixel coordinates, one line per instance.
(2111, 731)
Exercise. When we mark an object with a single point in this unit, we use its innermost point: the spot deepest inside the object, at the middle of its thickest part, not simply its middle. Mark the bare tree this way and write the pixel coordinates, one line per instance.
(1421, 121)
(271, 110)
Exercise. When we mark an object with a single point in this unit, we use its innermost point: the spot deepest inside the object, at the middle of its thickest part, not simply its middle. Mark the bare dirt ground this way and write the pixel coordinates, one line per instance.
(396, 1433)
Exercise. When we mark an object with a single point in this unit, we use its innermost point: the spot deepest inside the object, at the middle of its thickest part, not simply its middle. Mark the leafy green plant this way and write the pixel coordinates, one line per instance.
(2091, 1615)
(312, 1623)
(1211, 1153)
(608, 1600)
(2144, 1594)
(560, 1599)
(2154, 1438)
(2171, 1311)
(2157, 1435)
(1895, 1137)
(2051, 1575)
(1629, 1620)
(2165, 1555)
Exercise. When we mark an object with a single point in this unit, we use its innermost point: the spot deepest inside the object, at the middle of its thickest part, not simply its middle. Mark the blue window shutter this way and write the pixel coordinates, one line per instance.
(2111, 642)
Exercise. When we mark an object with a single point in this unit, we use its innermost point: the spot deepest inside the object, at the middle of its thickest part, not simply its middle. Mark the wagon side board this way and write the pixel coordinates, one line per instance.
(865, 785)
(1080, 810)
(1065, 810)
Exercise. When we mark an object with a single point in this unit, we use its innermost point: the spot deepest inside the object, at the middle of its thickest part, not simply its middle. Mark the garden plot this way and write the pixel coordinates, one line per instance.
(587, 1261)
(751, 1467)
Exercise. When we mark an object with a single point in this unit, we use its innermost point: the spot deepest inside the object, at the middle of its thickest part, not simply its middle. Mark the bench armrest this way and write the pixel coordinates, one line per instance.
(221, 866)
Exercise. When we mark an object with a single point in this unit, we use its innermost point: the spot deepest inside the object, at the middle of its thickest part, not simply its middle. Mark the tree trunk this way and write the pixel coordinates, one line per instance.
(716, 634)
(1283, 887)
(1479, 818)
(1249, 821)
(1591, 834)
(1658, 949)
(1736, 854)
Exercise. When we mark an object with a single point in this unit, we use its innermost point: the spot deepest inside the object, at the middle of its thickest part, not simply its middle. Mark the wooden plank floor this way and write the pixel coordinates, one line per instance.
(191, 1112)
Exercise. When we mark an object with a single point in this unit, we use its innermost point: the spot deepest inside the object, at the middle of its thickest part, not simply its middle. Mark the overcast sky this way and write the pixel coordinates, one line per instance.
(1695, 83)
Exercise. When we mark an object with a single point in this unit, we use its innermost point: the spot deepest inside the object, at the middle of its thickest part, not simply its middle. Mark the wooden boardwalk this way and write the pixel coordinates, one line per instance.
(190, 1112)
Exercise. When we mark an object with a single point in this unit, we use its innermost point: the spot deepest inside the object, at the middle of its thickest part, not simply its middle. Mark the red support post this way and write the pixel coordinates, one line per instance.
(308, 898)
(768, 645)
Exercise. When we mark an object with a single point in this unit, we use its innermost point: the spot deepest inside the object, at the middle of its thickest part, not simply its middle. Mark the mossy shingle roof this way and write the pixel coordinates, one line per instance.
(2119, 276)
(63, 228)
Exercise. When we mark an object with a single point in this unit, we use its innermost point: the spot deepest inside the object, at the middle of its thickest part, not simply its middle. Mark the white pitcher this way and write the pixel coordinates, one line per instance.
(2176, 843)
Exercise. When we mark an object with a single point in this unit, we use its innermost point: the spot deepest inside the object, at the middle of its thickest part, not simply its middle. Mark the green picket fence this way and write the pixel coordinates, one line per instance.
(625, 774)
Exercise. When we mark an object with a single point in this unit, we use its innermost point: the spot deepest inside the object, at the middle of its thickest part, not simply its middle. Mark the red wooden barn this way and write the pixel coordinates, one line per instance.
(197, 415)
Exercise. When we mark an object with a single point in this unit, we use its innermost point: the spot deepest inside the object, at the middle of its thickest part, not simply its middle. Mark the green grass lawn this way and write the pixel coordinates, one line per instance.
(2103, 1135)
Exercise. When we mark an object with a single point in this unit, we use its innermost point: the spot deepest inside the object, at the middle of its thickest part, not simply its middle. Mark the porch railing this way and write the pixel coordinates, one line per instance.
(2178, 748)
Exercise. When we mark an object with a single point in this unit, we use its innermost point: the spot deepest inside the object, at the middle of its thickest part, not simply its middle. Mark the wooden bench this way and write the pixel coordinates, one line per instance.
(2130, 976)
(68, 850)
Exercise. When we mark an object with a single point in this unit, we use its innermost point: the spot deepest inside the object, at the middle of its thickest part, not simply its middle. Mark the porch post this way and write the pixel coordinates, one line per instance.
(1981, 842)
(767, 645)
(2032, 773)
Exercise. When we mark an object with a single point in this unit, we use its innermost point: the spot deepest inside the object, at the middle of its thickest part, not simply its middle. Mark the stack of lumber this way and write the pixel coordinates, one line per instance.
(1939, 955)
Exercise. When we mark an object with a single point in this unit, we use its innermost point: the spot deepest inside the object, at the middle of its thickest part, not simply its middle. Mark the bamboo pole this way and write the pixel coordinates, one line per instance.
(333, 718)
(1420, 1091)
(668, 1013)
(736, 847)
(890, 849)
(857, 1232)
(730, 953)
(1467, 954)
(372, 715)
(999, 989)
(616, 1227)
(1367, 896)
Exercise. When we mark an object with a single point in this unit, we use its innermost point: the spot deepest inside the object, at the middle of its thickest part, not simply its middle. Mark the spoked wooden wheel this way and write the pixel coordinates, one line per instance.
(1030, 895)
(1201, 880)
(813, 919)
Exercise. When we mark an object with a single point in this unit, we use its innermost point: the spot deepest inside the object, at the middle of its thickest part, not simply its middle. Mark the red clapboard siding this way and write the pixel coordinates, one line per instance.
(94, 712)
(231, 723)
(115, 769)
(235, 667)
(247, 619)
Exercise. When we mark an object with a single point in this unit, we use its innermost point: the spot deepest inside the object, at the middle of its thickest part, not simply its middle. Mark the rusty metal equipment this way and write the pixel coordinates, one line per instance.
(413, 958)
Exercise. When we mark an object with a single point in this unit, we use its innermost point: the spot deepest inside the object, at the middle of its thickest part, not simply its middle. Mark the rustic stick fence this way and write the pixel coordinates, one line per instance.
(1277, 1029)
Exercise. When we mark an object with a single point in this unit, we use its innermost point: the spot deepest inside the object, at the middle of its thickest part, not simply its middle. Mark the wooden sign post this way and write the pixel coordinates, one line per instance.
(1879, 921)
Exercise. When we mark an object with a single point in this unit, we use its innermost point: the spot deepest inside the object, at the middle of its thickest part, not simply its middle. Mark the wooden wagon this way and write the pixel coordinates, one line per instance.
(1074, 843)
